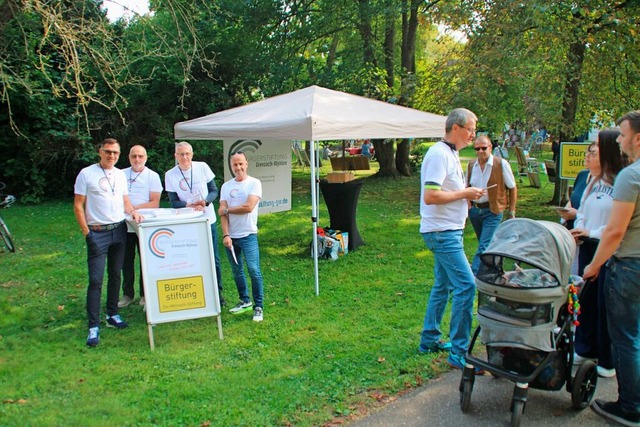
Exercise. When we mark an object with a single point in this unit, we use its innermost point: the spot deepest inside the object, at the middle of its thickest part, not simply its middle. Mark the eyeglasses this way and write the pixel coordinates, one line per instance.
(480, 148)
(592, 153)
(110, 152)
(184, 154)
(470, 130)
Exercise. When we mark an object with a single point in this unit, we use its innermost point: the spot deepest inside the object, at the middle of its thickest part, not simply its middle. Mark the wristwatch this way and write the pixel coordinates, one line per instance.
(226, 211)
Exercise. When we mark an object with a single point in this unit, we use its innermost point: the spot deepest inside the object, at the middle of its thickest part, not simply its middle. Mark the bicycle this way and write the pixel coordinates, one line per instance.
(7, 200)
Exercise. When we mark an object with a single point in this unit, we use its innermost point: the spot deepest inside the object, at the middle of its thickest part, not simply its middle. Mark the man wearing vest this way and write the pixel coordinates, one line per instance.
(485, 214)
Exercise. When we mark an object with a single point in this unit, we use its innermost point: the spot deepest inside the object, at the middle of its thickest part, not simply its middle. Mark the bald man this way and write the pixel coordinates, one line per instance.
(145, 189)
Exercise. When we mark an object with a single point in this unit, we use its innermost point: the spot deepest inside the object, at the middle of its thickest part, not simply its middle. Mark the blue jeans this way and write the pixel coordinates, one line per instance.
(622, 295)
(484, 223)
(249, 246)
(216, 258)
(452, 276)
(104, 248)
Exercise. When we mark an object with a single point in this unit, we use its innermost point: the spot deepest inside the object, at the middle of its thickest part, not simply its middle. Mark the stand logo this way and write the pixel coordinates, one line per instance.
(158, 240)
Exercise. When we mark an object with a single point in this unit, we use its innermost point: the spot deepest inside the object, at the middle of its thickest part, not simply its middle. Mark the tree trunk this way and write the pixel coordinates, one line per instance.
(573, 77)
(408, 63)
(366, 32)
(384, 154)
(389, 47)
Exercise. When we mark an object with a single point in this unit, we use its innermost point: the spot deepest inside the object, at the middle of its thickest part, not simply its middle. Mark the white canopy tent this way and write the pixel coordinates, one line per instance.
(314, 114)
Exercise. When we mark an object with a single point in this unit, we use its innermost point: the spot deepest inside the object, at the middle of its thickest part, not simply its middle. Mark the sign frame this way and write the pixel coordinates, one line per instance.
(177, 261)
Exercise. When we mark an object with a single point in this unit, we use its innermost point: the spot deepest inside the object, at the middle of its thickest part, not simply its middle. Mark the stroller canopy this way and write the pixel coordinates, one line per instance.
(546, 245)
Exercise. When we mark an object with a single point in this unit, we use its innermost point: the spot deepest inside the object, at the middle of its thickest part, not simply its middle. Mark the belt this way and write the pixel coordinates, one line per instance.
(105, 227)
(483, 205)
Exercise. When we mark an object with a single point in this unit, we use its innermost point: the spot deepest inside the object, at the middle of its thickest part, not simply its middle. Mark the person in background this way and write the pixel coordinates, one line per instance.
(239, 198)
(620, 246)
(570, 211)
(366, 149)
(496, 176)
(555, 149)
(145, 189)
(443, 212)
(191, 184)
(100, 203)
(604, 161)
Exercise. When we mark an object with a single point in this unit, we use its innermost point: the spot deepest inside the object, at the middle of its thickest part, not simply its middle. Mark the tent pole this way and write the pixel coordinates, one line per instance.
(314, 213)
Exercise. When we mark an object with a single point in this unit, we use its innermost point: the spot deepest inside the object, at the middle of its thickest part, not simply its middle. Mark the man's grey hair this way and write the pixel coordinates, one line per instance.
(460, 117)
(183, 144)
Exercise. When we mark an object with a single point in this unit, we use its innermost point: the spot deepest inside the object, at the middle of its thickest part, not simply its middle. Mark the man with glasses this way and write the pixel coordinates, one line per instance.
(191, 184)
(495, 175)
(100, 204)
(144, 192)
(443, 212)
(239, 199)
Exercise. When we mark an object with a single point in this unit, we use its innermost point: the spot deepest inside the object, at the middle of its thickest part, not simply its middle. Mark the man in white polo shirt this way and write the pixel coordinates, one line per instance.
(443, 212)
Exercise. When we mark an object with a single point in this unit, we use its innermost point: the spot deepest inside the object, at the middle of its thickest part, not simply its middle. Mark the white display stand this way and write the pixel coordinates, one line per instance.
(176, 254)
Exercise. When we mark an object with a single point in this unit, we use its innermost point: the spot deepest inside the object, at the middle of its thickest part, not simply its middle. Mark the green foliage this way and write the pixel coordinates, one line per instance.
(314, 359)
(520, 63)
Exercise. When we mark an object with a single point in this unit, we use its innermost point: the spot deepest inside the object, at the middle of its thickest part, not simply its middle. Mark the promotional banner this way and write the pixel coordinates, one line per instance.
(270, 162)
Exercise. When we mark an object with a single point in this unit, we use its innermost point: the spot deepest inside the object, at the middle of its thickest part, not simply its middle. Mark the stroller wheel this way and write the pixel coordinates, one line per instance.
(516, 414)
(466, 387)
(584, 385)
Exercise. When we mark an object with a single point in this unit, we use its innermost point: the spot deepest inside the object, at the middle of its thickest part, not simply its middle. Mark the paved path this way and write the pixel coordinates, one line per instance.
(437, 403)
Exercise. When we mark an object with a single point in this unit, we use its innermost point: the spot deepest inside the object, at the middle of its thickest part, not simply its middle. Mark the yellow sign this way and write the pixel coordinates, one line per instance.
(183, 293)
(572, 156)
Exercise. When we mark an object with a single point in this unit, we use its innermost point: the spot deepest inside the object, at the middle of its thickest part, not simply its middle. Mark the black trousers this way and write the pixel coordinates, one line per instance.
(104, 248)
(128, 268)
(592, 335)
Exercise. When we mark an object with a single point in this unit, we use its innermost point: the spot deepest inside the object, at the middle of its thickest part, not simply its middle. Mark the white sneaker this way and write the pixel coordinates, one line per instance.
(142, 301)
(125, 301)
(606, 373)
(257, 314)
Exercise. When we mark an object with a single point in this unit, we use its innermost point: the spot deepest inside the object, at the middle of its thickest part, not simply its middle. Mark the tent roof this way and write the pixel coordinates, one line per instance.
(314, 114)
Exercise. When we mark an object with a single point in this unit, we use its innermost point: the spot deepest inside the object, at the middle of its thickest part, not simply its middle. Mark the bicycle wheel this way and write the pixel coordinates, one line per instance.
(6, 236)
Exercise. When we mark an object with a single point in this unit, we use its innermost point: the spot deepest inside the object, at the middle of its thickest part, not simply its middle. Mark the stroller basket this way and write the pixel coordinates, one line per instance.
(514, 312)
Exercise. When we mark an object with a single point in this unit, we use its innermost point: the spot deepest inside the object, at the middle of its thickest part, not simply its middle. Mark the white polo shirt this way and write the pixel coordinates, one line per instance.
(441, 169)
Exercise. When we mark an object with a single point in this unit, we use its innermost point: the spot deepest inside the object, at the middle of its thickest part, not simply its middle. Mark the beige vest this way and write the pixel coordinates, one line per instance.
(497, 195)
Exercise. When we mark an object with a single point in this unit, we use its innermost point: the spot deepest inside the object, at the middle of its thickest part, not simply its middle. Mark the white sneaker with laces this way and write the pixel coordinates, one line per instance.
(605, 373)
(241, 307)
(257, 314)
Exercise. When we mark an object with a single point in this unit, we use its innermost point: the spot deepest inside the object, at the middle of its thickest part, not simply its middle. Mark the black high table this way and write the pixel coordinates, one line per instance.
(342, 203)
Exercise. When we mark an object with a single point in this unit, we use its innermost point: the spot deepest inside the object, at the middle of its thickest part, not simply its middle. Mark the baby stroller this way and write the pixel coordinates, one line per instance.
(526, 315)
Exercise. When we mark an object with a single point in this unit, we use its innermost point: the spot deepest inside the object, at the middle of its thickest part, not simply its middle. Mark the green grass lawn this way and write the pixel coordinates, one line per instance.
(312, 360)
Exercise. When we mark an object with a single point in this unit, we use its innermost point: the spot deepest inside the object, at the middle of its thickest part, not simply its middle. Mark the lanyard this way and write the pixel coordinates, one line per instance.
(131, 181)
(113, 187)
(189, 184)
